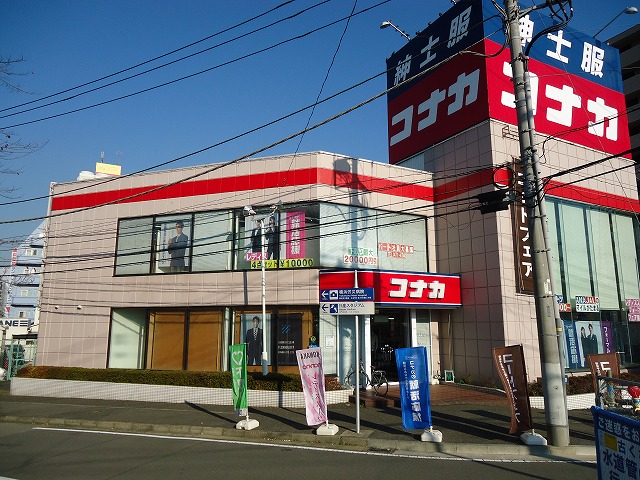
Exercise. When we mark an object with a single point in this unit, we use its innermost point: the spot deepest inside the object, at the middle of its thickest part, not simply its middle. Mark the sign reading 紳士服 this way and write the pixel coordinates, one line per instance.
(586, 304)
(617, 444)
(633, 306)
(575, 82)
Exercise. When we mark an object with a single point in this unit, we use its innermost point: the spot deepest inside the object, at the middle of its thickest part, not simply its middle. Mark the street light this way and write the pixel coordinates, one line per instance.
(250, 212)
(388, 23)
(628, 11)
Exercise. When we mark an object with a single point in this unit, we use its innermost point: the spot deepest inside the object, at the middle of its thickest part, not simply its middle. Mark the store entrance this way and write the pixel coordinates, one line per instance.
(388, 332)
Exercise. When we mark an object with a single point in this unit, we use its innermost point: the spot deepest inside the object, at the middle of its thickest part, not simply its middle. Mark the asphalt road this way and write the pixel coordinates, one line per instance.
(43, 453)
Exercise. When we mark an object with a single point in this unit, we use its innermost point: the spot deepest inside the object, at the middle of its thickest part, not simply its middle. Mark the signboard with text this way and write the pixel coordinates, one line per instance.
(617, 444)
(587, 304)
(576, 82)
(347, 295)
(415, 401)
(348, 308)
(400, 288)
(633, 306)
(510, 364)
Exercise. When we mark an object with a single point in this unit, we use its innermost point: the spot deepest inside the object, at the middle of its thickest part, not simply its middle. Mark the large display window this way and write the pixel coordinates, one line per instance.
(290, 235)
(212, 241)
(595, 253)
(362, 238)
(134, 246)
(168, 339)
(313, 235)
(286, 329)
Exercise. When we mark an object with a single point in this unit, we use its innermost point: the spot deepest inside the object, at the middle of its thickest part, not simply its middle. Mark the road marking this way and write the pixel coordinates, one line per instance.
(317, 449)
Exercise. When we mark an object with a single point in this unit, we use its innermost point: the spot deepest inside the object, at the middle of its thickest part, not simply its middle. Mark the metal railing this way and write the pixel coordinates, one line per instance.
(14, 355)
(613, 394)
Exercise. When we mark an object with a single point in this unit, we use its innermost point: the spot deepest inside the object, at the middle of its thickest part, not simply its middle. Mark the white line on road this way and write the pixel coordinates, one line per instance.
(301, 447)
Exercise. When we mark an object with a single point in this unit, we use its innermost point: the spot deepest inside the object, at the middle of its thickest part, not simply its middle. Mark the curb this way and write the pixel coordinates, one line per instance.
(346, 440)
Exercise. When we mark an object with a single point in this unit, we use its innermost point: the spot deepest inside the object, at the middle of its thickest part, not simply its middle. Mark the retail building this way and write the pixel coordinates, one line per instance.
(164, 269)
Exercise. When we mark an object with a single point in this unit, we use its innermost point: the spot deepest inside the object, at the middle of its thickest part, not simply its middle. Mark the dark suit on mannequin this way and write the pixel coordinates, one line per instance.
(254, 343)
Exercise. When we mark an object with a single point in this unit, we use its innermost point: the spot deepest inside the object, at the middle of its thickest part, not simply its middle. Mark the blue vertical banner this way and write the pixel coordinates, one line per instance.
(414, 387)
(572, 354)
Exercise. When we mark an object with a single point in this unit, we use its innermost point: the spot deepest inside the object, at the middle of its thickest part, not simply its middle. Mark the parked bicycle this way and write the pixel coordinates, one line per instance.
(378, 380)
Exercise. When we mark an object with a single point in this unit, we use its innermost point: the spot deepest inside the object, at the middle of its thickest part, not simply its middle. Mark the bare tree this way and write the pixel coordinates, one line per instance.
(12, 147)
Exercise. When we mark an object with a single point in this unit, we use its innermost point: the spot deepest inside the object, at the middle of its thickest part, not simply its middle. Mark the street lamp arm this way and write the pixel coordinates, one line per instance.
(628, 11)
(388, 23)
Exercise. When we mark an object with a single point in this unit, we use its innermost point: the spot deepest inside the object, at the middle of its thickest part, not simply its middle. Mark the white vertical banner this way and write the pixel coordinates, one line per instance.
(312, 376)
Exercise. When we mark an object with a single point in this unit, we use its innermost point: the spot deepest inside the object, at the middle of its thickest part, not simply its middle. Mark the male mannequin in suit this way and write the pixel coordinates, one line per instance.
(254, 343)
(177, 247)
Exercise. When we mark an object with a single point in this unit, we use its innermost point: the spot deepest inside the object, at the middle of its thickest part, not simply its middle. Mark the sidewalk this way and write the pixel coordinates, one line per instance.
(473, 423)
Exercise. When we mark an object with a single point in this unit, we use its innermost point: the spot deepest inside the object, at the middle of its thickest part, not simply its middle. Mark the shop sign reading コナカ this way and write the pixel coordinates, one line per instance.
(400, 288)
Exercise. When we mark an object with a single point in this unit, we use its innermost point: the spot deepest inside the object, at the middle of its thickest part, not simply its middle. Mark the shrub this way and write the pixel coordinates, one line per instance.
(255, 380)
(577, 384)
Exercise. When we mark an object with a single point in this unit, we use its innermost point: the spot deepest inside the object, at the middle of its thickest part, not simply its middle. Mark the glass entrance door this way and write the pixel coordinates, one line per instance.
(388, 332)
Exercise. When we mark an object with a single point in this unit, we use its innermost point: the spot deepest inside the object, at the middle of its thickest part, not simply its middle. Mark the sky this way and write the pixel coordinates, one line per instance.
(242, 81)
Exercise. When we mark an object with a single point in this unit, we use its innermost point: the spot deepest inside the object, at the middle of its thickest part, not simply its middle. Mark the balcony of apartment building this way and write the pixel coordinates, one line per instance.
(24, 302)
(29, 256)
(24, 297)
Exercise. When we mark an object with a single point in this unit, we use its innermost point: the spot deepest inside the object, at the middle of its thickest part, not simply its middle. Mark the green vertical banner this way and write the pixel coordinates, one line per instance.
(238, 354)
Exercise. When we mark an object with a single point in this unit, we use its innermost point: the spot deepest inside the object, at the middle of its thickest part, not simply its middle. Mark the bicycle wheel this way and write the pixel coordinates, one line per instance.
(364, 380)
(379, 383)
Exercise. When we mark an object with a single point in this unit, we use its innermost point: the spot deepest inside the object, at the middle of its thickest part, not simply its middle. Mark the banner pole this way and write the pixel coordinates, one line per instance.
(355, 284)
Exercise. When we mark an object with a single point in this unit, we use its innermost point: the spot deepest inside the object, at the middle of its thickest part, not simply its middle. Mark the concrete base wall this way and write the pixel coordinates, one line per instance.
(35, 387)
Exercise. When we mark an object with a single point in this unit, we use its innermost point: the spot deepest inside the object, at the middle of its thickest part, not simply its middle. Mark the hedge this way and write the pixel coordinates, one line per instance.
(255, 380)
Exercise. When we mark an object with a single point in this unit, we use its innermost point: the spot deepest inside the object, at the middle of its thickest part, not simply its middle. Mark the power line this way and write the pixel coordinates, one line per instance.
(192, 75)
(145, 62)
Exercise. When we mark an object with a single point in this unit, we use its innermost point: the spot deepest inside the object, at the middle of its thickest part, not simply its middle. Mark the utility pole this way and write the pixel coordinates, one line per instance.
(549, 327)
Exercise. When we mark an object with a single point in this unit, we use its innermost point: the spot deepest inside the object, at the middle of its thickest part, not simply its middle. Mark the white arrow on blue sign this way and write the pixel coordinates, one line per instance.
(348, 308)
(347, 295)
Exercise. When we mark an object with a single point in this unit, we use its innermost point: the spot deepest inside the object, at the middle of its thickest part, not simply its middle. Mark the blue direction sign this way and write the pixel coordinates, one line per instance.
(348, 308)
(347, 295)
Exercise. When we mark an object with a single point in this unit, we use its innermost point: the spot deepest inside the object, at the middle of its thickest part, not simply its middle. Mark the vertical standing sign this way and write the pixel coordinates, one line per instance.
(414, 387)
(509, 362)
(238, 356)
(312, 376)
(602, 363)
(617, 444)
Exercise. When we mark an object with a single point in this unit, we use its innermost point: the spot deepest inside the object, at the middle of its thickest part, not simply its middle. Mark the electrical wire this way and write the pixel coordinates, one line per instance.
(119, 72)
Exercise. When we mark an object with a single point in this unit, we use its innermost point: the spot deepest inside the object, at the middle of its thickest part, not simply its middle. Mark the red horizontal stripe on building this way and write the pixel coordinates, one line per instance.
(302, 177)
(322, 176)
